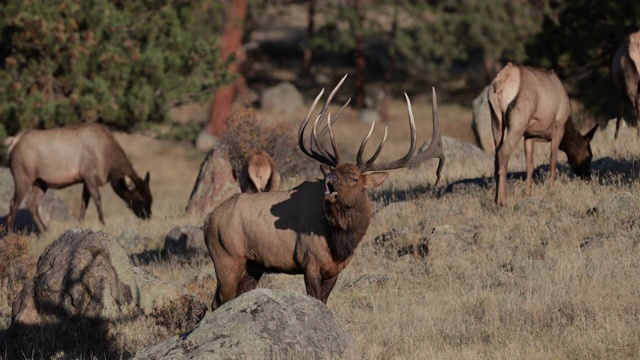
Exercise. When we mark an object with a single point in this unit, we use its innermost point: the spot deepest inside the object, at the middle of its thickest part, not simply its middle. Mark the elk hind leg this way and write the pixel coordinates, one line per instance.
(21, 189)
(503, 153)
(37, 193)
(250, 279)
(528, 151)
(228, 274)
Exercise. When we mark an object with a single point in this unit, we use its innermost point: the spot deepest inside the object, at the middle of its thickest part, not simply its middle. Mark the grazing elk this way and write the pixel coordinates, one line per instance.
(312, 229)
(259, 173)
(57, 158)
(532, 103)
(625, 69)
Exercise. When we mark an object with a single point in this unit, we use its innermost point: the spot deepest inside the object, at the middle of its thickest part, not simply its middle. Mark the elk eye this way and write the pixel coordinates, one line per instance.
(354, 179)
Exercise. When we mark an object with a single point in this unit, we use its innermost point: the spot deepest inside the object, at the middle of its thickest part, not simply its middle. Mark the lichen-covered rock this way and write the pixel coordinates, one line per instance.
(82, 274)
(262, 324)
(215, 183)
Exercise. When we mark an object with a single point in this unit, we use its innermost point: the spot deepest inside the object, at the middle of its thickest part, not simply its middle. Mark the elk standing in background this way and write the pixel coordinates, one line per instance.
(57, 158)
(259, 173)
(532, 103)
(626, 74)
(312, 229)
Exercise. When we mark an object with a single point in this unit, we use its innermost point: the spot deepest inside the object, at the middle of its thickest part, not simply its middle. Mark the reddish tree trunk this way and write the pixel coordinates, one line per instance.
(360, 63)
(388, 75)
(223, 97)
(308, 54)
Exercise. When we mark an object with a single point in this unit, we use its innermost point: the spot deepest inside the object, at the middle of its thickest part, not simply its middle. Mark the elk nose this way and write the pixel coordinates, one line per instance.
(330, 178)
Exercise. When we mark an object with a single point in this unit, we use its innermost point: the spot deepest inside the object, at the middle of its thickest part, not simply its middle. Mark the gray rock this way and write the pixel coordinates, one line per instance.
(206, 141)
(131, 241)
(185, 240)
(5, 317)
(81, 274)
(283, 98)
(262, 324)
(368, 116)
(622, 205)
(481, 122)
(215, 183)
(463, 160)
(155, 292)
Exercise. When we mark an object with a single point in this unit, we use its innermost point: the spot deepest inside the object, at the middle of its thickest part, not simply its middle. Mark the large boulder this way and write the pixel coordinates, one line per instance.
(51, 208)
(82, 274)
(481, 122)
(262, 324)
(463, 160)
(83, 285)
(283, 99)
(215, 183)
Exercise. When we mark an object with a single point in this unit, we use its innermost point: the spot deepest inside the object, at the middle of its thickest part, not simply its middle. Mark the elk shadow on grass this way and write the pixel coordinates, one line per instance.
(24, 223)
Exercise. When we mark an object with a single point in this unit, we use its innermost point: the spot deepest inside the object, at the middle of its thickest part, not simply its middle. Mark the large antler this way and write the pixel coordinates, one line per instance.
(434, 150)
(322, 155)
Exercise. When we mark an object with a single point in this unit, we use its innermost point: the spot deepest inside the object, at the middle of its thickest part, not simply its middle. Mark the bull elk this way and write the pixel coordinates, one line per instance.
(626, 75)
(57, 158)
(259, 173)
(312, 229)
(532, 103)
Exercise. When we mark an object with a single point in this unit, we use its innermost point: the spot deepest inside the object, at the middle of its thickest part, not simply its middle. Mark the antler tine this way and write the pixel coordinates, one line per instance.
(318, 145)
(370, 166)
(334, 144)
(435, 149)
(379, 149)
(362, 145)
(323, 156)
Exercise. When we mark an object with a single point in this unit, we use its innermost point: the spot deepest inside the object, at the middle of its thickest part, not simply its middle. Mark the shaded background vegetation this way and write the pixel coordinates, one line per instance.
(125, 64)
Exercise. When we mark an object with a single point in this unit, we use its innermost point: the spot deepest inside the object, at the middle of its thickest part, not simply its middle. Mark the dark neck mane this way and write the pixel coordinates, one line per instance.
(348, 226)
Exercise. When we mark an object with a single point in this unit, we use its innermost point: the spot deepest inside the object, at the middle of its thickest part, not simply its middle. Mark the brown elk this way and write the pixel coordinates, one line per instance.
(625, 69)
(259, 173)
(532, 103)
(57, 158)
(312, 229)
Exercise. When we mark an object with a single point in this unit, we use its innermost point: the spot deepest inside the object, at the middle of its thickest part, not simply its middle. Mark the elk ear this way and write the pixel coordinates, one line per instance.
(325, 169)
(375, 179)
(589, 136)
(129, 183)
(147, 178)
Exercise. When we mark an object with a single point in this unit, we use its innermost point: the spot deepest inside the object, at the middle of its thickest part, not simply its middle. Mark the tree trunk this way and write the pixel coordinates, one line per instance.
(308, 54)
(360, 63)
(231, 39)
(388, 75)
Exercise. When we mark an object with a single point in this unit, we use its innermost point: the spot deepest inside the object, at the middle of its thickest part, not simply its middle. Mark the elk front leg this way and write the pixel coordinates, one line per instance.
(528, 151)
(326, 287)
(556, 138)
(95, 195)
(313, 282)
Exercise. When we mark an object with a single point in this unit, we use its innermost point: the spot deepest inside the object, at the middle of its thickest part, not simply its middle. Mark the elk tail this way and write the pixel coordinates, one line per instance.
(11, 141)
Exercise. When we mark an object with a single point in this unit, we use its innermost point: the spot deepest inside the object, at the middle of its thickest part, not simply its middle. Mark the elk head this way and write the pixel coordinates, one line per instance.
(136, 193)
(344, 182)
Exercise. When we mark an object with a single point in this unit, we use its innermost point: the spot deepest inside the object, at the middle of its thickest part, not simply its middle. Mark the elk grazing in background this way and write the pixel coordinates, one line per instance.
(259, 173)
(625, 69)
(312, 229)
(57, 158)
(532, 103)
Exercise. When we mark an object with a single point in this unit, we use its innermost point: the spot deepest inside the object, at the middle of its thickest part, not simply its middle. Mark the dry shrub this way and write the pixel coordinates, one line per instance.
(246, 132)
(180, 315)
(17, 265)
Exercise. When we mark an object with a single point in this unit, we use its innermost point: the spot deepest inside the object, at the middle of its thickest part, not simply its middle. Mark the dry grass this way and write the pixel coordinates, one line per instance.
(546, 281)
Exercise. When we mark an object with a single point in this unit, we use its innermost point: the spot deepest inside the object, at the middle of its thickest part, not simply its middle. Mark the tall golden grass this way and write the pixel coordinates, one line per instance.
(545, 281)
